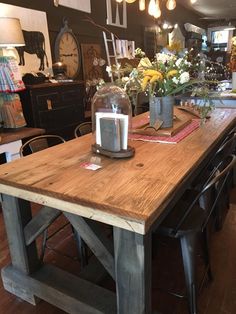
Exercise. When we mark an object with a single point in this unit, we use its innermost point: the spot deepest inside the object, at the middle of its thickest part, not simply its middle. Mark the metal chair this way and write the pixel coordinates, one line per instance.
(34, 145)
(39, 143)
(226, 148)
(83, 128)
(188, 219)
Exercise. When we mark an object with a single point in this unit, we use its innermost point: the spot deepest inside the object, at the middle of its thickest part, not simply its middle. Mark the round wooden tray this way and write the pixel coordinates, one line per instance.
(124, 153)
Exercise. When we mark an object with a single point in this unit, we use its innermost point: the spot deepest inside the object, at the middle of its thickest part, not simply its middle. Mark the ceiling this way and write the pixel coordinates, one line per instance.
(213, 9)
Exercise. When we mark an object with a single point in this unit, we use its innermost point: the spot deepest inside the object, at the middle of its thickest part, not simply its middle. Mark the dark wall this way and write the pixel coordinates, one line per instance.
(88, 33)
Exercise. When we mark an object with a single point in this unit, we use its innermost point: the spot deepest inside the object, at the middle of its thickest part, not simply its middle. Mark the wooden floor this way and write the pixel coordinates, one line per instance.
(217, 297)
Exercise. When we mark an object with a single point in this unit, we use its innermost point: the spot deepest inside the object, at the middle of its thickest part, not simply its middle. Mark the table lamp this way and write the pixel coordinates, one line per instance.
(10, 33)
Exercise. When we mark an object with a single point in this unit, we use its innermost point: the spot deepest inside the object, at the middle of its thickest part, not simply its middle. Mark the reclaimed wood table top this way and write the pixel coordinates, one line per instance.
(12, 135)
(129, 193)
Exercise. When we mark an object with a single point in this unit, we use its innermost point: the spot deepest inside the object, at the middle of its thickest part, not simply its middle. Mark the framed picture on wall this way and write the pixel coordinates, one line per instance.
(92, 61)
(35, 56)
(116, 13)
(81, 5)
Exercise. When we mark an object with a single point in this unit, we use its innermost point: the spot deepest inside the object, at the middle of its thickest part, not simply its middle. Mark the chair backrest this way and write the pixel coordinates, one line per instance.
(83, 128)
(39, 143)
(216, 180)
(226, 148)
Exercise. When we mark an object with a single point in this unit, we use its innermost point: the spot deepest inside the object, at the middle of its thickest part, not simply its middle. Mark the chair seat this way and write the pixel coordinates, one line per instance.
(193, 222)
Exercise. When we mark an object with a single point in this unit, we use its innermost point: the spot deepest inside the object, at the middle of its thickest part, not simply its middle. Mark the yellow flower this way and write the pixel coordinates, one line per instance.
(151, 72)
(145, 82)
(171, 73)
(155, 78)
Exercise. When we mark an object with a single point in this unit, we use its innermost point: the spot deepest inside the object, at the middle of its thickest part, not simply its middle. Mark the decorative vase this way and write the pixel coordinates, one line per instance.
(233, 80)
(162, 109)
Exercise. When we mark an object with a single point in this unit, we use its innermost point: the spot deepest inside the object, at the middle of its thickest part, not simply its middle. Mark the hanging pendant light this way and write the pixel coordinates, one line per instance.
(152, 7)
(119, 1)
(130, 1)
(157, 13)
(171, 4)
(141, 5)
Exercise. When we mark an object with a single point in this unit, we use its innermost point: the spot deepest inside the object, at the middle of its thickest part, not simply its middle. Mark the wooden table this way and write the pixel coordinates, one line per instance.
(11, 140)
(132, 195)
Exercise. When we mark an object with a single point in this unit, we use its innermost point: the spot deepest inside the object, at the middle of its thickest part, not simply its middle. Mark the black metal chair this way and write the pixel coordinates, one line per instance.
(226, 148)
(34, 145)
(83, 128)
(189, 218)
(39, 143)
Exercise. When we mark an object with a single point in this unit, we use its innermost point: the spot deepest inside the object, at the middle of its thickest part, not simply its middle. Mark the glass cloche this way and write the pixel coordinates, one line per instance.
(111, 121)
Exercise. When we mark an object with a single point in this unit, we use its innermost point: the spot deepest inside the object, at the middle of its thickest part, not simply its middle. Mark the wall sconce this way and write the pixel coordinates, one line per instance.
(11, 33)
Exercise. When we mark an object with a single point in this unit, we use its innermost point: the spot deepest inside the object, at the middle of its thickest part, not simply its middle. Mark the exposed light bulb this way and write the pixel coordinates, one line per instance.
(171, 4)
(152, 7)
(130, 1)
(157, 13)
(165, 25)
(119, 1)
(141, 5)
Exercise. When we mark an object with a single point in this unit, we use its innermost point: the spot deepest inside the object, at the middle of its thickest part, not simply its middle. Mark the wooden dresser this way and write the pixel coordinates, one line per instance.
(58, 108)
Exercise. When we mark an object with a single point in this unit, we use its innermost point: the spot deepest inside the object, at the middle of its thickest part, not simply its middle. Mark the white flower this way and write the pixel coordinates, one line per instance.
(184, 78)
(124, 79)
(187, 63)
(175, 80)
(178, 62)
(164, 57)
(118, 65)
(108, 69)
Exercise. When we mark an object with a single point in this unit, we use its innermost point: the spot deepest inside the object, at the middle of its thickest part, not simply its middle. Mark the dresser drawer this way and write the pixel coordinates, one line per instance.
(60, 117)
(47, 101)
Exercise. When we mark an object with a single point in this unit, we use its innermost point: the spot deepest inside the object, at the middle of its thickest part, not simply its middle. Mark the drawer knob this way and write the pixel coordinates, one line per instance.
(49, 104)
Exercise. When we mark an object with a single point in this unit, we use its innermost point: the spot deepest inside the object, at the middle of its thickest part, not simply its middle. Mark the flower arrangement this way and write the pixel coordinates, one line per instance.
(232, 64)
(139, 53)
(168, 74)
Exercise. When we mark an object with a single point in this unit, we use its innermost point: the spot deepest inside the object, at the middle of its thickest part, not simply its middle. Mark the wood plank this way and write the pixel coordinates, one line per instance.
(17, 213)
(133, 272)
(132, 191)
(12, 135)
(41, 221)
(96, 241)
(62, 289)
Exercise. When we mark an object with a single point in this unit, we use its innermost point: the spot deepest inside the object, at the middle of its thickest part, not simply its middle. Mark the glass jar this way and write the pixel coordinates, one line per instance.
(111, 119)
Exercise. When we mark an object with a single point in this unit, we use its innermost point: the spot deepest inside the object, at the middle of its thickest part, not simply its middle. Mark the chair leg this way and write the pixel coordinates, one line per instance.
(221, 212)
(206, 252)
(81, 246)
(188, 249)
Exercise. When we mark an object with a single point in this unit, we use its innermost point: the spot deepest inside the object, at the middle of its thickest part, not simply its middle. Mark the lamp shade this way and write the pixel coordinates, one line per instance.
(10, 32)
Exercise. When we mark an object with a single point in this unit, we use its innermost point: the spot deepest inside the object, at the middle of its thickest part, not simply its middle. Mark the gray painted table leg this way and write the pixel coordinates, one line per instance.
(17, 213)
(133, 272)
